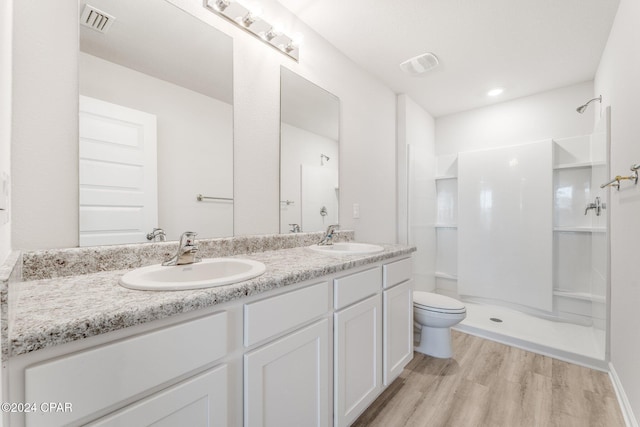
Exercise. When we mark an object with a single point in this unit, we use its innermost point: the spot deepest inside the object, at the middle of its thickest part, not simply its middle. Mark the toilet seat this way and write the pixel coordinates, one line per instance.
(437, 303)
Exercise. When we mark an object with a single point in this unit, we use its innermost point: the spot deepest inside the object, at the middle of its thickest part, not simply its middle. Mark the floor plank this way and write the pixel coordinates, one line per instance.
(493, 385)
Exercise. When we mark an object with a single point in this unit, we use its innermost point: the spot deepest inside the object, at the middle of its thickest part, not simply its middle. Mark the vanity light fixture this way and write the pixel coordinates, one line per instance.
(250, 20)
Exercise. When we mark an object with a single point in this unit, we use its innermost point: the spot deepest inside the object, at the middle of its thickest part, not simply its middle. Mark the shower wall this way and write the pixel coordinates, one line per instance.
(505, 224)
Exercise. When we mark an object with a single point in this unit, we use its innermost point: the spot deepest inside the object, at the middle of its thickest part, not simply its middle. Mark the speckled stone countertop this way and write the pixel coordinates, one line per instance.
(54, 311)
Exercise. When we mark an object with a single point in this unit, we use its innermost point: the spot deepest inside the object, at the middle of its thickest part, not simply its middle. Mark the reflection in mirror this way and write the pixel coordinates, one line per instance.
(156, 124)
(309, 155)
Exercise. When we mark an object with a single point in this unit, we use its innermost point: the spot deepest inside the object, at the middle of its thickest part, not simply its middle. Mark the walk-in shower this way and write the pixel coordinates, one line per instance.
(517, 239)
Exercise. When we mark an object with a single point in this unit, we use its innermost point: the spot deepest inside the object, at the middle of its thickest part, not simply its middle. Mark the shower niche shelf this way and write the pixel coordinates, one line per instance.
(576, 165)
(447, 276)
(580, 229)
(454, 226)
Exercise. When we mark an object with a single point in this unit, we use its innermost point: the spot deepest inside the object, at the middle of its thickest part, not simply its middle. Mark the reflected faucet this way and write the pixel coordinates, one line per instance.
(157, 235)
(187, 250)
(327, 239)
(295, 228)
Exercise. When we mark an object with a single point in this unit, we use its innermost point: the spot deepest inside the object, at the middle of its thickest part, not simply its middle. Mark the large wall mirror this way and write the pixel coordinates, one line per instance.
(309, 155)
(156, 123)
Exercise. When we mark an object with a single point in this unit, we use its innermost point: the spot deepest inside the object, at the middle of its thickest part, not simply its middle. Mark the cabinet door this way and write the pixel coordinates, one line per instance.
(200, 401)
(358, 358)
(397, 330)
(286, 382)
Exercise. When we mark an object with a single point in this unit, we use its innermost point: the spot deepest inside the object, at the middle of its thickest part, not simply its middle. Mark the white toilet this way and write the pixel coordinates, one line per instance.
(436, 314)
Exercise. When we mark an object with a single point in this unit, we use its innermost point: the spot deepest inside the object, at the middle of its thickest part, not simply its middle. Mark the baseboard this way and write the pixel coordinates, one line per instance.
(625, 406)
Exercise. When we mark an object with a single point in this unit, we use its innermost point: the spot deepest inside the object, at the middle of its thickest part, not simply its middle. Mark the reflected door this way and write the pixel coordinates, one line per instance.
(118, 183)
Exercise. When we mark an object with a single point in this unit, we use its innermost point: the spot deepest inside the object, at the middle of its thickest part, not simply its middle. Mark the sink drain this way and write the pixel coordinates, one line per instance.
(495, 319)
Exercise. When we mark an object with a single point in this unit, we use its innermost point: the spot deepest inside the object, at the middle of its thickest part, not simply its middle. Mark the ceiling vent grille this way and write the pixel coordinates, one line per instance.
(420, 64)
(96, 19)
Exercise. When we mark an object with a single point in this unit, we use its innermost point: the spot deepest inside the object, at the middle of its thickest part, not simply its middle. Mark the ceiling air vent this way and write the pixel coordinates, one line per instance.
(420, 64)
(96, 19)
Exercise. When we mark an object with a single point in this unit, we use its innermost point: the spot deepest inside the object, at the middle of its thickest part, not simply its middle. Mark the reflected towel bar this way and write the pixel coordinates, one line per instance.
(200, 198)
(287, 202)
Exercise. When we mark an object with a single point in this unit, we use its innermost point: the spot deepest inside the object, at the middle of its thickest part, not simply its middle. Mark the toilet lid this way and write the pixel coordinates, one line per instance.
(437, 302)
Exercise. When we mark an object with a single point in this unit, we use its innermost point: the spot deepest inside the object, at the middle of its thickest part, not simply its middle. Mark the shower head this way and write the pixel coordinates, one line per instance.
(583, 107)
(323, 157)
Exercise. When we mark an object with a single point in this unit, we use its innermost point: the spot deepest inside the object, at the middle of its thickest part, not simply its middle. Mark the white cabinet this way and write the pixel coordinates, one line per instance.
(123, 370)
(397, 330)
(197, 402)
(398, 317)
(357, 363)
(267, 360)
(287, 381)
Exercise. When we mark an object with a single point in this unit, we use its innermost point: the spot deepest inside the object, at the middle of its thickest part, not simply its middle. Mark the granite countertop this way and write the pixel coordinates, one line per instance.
(54, 311)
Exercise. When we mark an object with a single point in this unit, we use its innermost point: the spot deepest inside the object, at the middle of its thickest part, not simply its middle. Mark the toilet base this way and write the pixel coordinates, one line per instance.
(435, 342)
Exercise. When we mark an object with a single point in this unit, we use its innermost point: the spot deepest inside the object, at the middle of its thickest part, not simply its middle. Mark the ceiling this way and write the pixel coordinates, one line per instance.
(307, 106)
(161, 40)
(524, 46)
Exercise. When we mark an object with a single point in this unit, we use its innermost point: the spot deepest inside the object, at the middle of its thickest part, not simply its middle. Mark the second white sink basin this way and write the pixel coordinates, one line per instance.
(204, 274)
(348, 248)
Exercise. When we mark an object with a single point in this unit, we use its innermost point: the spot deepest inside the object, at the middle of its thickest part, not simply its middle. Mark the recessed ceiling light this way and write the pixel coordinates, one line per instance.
(495, 92)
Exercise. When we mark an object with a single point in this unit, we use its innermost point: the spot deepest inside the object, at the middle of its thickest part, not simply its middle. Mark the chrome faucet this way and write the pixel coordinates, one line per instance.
(187, 250)
(328, 235)
(157, 235)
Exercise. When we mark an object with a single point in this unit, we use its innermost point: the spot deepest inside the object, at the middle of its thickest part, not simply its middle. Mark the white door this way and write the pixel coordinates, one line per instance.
(358, 359)
(197, 402)
(286, 381)
(118, 173)
(397, 329)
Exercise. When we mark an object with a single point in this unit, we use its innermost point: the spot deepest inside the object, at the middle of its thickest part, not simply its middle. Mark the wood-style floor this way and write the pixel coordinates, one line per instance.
(491, 384)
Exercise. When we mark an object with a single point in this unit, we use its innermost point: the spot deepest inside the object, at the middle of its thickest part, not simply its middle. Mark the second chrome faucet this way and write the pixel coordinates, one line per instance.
(187, 250)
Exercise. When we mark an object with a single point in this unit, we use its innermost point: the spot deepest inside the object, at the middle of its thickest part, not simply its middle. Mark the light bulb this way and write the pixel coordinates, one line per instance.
(221, 5)
(495, 92)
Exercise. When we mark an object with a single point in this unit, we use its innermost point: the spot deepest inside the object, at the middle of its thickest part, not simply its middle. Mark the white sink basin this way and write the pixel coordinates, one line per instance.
(204, 274)
(348, 248)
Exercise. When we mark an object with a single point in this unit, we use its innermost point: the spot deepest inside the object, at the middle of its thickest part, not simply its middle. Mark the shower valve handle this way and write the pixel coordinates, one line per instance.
(595, 205)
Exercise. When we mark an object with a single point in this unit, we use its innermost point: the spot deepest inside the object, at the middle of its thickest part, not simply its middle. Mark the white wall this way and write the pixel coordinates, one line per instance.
(618, 81)
(416, 207)
(44, 146)
(5, 119)
(300, 147)
(550, 114)
(195, 144)
(367, 132)
(44, 161)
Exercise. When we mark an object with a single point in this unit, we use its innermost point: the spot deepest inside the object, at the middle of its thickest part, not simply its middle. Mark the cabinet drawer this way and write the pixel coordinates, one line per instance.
(356, 287)
(123, 369)
(396, 272)
(271, 316)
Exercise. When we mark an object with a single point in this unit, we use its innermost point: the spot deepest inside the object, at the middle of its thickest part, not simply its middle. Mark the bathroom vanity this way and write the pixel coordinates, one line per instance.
(313, 341)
